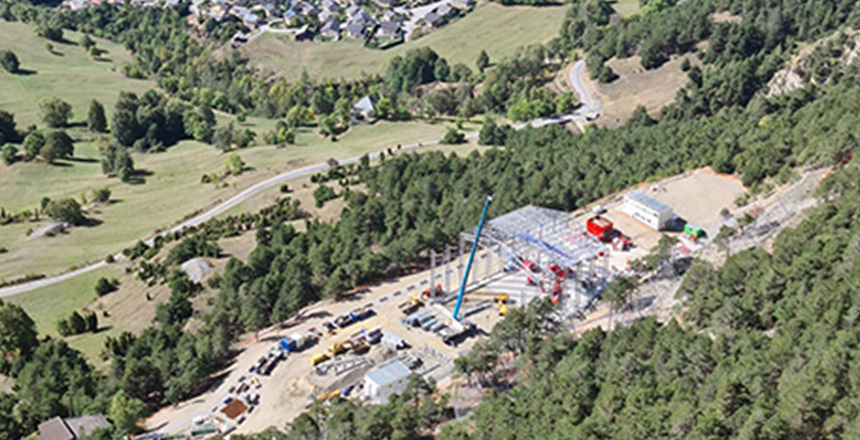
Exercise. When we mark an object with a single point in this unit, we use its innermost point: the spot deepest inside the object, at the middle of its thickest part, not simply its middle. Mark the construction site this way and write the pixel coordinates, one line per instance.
(366, 347)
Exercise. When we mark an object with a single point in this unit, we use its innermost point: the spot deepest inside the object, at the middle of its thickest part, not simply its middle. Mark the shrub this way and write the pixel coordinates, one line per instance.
(453, 137)
(105, 286)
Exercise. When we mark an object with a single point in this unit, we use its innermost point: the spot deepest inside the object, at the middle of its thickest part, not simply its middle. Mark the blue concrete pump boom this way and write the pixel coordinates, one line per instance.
(471, 258)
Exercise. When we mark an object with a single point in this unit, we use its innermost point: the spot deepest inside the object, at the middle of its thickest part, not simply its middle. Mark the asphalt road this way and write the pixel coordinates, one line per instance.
(588, 110)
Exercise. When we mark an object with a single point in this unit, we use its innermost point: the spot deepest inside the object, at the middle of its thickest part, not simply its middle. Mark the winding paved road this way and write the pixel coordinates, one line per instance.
(588, 110)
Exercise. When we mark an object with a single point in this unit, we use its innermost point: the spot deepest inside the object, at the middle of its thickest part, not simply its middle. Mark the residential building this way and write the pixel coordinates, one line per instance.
(392, 15)
(73, 428)
(433, 19)
(355, 30)
(330, 6)
(331, 28)
(390, 29)
(365, 108)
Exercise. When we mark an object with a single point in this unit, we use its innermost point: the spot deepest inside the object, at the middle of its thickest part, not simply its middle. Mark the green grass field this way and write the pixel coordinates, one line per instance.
(171, 192)
(48, 305)
(68, 73)
(497, 29)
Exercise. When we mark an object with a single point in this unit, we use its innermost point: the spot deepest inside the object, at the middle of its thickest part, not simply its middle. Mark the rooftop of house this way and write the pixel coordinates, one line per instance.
(355, 29)
(432, 18)
(389, 26)
(331, 25)
(365, 104)
(71, 428)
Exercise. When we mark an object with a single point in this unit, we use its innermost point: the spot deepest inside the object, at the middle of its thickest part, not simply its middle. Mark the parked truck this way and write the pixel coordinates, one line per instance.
(293, 343)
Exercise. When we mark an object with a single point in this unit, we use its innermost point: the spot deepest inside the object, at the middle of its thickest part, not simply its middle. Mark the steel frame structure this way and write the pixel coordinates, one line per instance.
(549, 237)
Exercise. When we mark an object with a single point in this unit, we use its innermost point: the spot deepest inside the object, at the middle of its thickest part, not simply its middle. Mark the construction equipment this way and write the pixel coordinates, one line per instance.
(694, 232)
(292, 343)
(471, 258)
(360, 346)
(361, 313)
(502, 304)
(433, 292)
(621, 242)
(319, 358)
(340, 347)
(344, 320)
(409, 307)
(330, 327)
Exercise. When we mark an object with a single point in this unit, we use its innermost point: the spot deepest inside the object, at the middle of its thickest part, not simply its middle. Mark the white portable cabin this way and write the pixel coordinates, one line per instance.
(386, 380)
(648, 210)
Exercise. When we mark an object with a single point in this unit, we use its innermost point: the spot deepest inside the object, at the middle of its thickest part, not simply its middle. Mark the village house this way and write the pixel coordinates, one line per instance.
(432, 19)
(364, 109)
(331, 29)
(392, 15)
(390, 29)
(330, 6)
(355, 30)
(445, 10)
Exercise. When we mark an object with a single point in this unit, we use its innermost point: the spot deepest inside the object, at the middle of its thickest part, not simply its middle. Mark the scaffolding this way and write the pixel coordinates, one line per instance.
(536, 240)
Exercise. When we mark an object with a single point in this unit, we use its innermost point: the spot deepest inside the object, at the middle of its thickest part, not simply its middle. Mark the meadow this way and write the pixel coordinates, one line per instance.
(67, 72)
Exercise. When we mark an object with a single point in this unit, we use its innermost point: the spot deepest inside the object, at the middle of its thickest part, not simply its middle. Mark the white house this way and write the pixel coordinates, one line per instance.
(386, 380)
(650, 211)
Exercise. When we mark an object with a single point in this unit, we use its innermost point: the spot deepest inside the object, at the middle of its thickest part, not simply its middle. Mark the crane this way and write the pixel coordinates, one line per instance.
(471, 258)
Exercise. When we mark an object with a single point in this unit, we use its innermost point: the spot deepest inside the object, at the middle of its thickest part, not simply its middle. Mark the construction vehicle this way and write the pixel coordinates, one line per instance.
(340, 347)
(410, 306)
(373, 335)
(330, 327)
(600, 228)
(319, 358)
(360, 346)
(433, 292)
(293, 343)
(471, 258)
(333, 396)
(361, 313)
(502, 303)
(622, 242)
(344, 320)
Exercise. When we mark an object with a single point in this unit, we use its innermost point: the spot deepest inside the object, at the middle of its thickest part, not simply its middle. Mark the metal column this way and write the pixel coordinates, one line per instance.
(432, 273)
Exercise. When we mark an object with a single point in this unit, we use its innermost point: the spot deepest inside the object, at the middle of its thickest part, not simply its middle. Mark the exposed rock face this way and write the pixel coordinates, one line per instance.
(819, 63)
(197, 269)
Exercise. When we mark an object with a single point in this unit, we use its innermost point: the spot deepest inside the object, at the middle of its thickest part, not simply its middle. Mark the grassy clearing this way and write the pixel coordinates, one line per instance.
(636, 86)
(48, 305)
(497, 29)
(626, 7)
(68, 73)
(172, 189)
